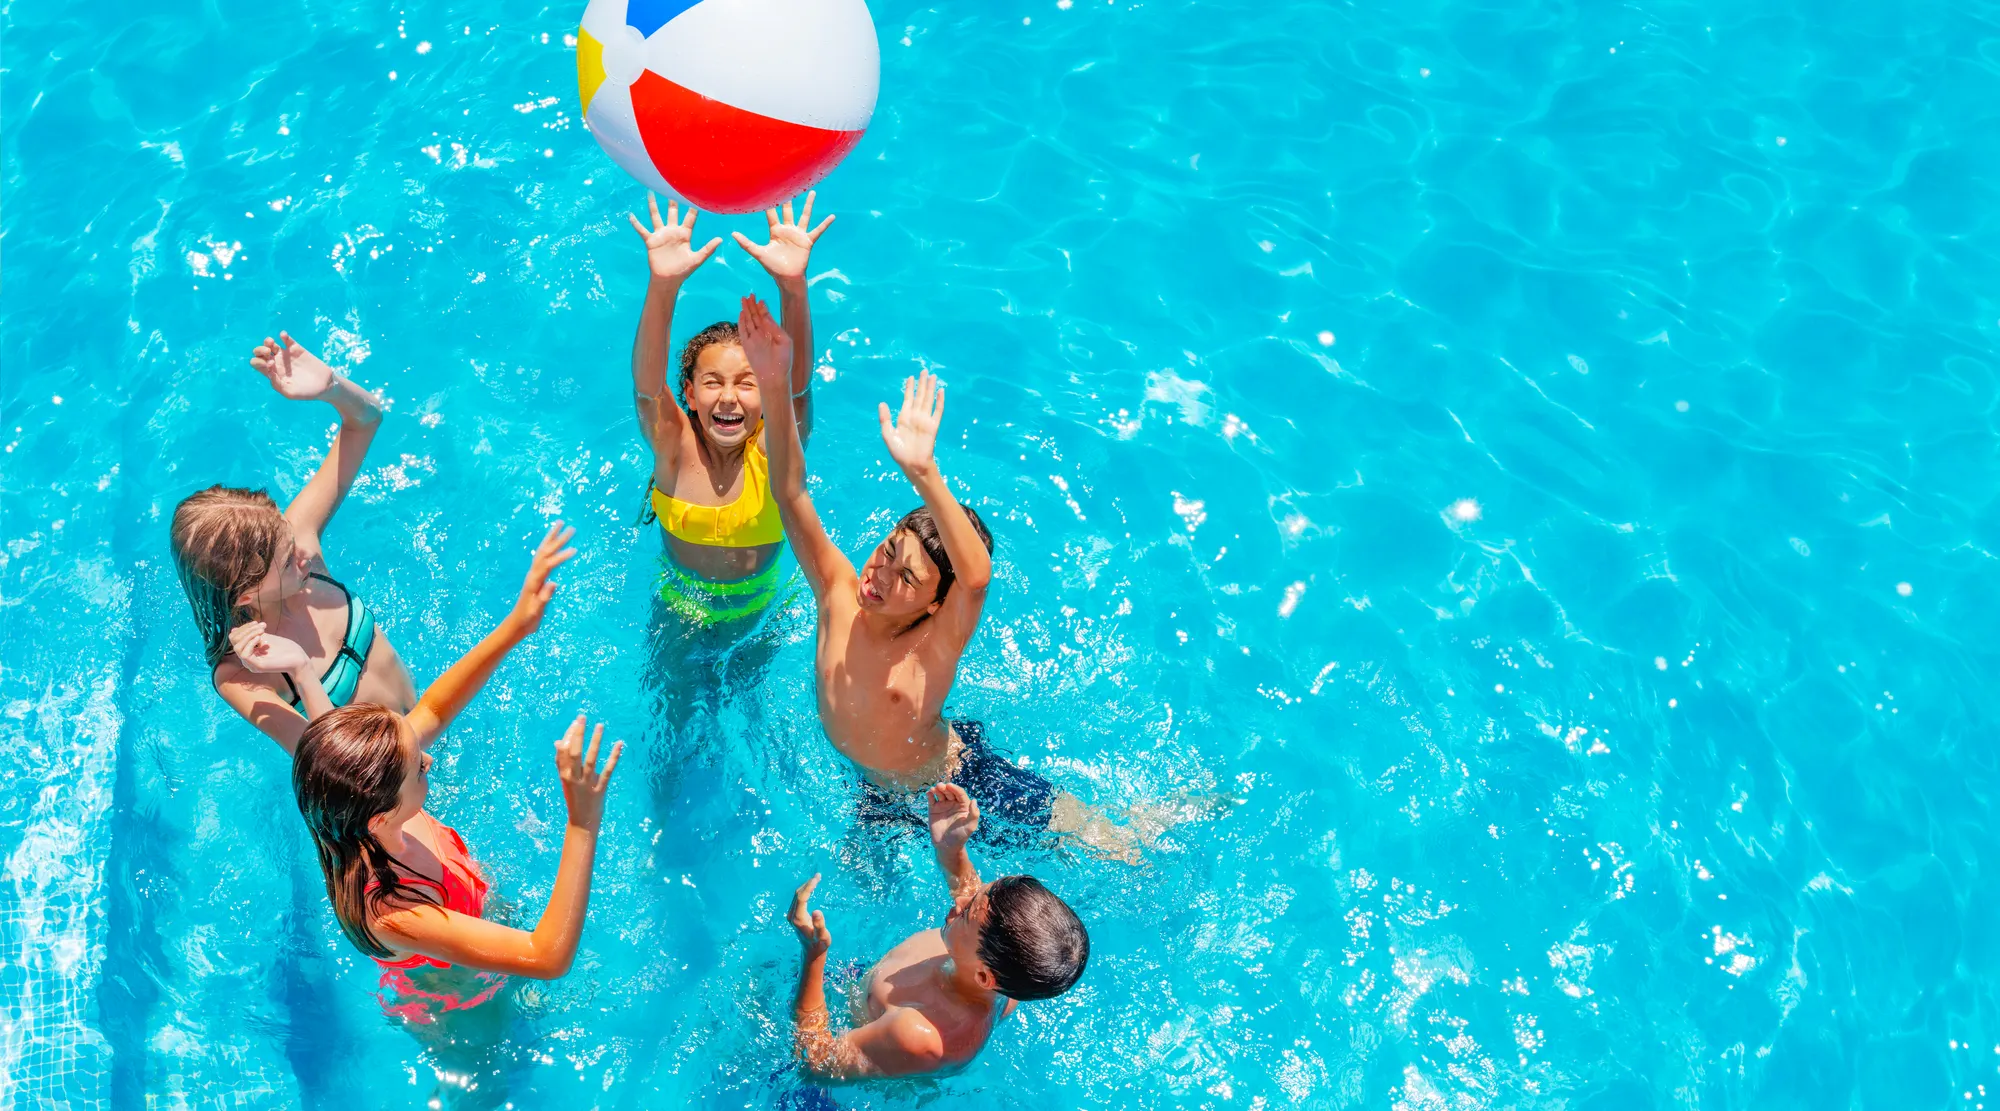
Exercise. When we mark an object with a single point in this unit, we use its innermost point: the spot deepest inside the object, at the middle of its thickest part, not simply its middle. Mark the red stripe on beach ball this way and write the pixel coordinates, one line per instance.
(724, 159)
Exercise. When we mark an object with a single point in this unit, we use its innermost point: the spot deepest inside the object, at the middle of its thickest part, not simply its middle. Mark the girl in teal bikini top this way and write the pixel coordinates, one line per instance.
(343, 675)
(244, 562)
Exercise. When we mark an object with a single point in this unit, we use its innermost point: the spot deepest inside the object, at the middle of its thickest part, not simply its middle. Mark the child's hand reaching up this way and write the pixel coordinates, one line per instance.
(670, 253)
(912, 439)
(809, 924)
(767, 347)
(293, 371)
(536, 591)
(583, 783)
(954, 818)
(786, 255)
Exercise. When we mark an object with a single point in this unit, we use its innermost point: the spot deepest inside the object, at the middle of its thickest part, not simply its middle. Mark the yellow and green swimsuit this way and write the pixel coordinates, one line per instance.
(751, 521)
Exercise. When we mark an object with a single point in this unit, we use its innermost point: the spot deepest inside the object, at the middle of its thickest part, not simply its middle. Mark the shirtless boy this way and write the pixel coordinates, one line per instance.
(930, 1004)
(890, 636)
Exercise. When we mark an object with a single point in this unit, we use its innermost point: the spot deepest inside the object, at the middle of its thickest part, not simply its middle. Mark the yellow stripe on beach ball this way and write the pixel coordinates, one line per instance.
(589, 66)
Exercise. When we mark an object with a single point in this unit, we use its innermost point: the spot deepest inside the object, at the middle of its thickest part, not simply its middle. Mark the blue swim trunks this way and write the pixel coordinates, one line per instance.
(1015, 804)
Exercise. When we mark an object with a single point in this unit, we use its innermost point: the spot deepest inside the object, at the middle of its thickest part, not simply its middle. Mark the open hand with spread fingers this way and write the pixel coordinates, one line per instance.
(912, 436)
(536, 590)
(790, 248)
(583, 783)
(670, 252)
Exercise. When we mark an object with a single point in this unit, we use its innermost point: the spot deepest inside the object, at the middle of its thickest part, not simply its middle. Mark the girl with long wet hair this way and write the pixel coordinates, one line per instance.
(284, 640)
(403, 885)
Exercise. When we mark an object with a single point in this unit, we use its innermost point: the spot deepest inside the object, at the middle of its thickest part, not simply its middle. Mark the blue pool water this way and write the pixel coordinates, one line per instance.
(1603, 799)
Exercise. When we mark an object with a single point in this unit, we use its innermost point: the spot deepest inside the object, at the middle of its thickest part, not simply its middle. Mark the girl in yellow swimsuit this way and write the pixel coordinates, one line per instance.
(711, 486)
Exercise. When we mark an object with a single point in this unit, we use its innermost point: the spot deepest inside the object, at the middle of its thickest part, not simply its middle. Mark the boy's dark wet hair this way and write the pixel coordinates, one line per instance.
(1034, 945)
(722, 331)
(918, 522)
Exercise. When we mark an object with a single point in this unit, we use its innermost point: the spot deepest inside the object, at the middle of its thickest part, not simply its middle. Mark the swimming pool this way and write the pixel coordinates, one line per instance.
(1498, 472)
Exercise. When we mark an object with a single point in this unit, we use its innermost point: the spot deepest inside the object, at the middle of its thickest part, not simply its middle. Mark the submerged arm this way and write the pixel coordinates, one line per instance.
(812, 1038)
(900, 1043)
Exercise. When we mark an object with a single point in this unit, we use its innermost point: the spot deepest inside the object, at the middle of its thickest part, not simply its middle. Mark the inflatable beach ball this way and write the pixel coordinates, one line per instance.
(733, 105)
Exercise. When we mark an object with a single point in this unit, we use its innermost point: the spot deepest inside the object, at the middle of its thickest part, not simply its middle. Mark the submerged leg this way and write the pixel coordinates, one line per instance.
(1094, 829)
(1134, 828)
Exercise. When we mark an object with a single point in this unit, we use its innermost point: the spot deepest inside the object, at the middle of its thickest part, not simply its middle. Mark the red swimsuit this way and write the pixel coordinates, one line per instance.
(464, 891)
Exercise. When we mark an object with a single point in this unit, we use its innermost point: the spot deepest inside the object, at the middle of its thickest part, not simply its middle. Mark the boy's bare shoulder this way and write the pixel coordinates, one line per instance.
(917, 1043)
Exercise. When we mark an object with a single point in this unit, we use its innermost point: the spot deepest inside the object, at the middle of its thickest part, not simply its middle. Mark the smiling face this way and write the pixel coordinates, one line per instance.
(721, 394)
(899, 580)
(286, 576)
(961, 936)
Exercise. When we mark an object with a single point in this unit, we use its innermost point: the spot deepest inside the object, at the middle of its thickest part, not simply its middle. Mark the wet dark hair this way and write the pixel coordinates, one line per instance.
(1034, 945)
(349, 769)
(918, 522)
(720, 332)
(224, 539)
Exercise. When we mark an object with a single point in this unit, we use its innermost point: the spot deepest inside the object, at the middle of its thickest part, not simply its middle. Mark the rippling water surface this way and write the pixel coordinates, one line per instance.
(1516, 480)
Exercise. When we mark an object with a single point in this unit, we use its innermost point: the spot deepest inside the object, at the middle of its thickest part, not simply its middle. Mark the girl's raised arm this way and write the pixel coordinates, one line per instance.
(299, 374)
(453, 690)
(545, 952)
(670, 259)
(785, 258)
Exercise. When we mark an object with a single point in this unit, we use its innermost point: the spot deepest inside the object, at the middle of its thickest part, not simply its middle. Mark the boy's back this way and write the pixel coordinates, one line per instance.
(908, 984)
(931, 1003)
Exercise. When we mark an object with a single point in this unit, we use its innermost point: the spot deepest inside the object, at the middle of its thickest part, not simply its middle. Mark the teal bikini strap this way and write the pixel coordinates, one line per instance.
(343, 673)
(360, 631)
